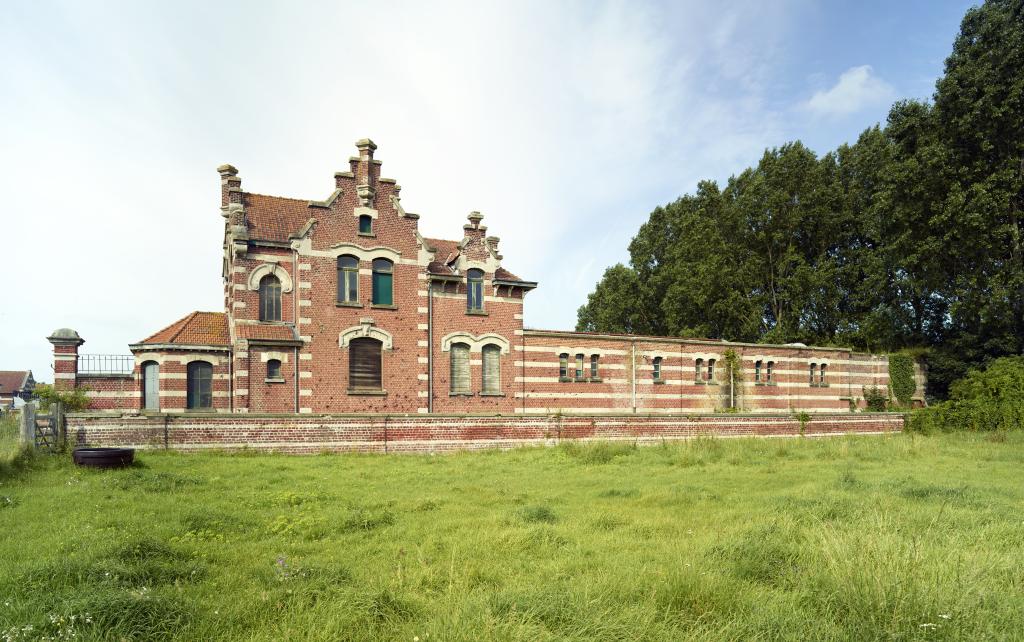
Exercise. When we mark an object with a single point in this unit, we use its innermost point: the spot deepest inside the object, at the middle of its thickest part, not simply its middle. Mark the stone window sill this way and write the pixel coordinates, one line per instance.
(384, 306)
(580, 380)
(274, 380)
(476, 313)
(348, 304)
(367, 392)
(700, 382)
(492, 394)
(564, 380)
(596, 380)
(659, 381)
(367, 234)
(460, 394)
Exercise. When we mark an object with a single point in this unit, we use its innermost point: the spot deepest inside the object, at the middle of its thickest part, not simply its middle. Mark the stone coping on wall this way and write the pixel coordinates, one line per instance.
(537, 416)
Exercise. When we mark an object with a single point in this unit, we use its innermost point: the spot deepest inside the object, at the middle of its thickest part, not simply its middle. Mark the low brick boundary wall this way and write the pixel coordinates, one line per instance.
(438, 433)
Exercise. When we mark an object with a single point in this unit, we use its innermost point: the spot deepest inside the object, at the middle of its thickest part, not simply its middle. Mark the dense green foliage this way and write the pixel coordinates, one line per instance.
(985, 400)
(910, 237)
(73, 400)
(901, 378)
(873, 538)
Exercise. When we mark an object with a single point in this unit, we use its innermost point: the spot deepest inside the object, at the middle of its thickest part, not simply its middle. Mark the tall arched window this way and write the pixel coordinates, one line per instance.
(348, 279)
(657, 369)
(383, 282)
(199, 385)
(593, 366)
(475, 290)
(698, 370)
(563, 365)
(270, 298)
(491, 371)
(366, 225)
(460, 382)
(821, 378)
(364, 365)
(711, 369)
(579, 366)
(814, 367)
(151, 385)
(768, 371)
(757, 372)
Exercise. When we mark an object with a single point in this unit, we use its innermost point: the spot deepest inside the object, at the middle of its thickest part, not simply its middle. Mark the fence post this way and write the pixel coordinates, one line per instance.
(58, 425)
(28, 423)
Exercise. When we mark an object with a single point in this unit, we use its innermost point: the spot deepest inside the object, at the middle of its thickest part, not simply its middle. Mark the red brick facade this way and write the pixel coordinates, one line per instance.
(298, 247)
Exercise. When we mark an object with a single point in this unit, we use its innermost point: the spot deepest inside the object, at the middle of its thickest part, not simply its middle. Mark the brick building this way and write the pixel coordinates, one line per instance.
(341, 306)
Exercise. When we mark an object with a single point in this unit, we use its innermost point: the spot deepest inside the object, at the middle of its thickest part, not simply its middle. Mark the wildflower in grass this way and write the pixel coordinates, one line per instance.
(945, 616)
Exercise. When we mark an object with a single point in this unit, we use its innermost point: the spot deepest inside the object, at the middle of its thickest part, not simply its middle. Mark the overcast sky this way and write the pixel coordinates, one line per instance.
(565, 124)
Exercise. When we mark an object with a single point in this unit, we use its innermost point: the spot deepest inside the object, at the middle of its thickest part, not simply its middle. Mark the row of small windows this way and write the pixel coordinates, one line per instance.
(490, 371)
(580, 363)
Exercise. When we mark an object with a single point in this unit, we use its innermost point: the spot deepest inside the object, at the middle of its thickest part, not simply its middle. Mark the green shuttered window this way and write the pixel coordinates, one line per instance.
(383, 282)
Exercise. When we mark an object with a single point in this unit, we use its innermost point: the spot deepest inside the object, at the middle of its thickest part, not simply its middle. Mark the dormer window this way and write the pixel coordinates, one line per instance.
(475, 290)
(366, 225)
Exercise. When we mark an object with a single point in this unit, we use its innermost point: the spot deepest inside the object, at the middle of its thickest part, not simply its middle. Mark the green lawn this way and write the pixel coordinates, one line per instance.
(893, 538)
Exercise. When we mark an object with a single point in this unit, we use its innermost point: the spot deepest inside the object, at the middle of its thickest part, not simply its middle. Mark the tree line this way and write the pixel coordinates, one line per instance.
(908, 239)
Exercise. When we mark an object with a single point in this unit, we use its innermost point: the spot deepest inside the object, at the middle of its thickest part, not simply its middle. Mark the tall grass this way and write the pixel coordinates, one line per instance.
(904, 537)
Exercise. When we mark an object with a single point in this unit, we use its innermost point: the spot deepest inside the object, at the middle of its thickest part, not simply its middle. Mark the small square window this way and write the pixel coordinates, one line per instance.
(274, 369)
(365, 224)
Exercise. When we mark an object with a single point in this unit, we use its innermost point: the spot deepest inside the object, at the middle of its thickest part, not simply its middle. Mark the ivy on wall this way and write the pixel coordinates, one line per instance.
(901, 377)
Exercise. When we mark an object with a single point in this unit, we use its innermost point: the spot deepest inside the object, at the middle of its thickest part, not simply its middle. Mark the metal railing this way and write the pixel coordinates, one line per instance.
(106, 364)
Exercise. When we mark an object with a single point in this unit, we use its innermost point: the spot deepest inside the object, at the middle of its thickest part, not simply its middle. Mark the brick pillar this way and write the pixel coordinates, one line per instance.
(65, 357)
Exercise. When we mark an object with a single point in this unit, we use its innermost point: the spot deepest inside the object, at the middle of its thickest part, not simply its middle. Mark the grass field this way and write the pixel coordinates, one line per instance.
(894, 538)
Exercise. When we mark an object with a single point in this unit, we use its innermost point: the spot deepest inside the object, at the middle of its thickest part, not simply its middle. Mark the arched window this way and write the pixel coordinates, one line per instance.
(199, 385)
(274, 369)
(475, 290)
(460, 382)
(491, 373)
(270, 298)
(366, 224)
(757, 372)
(348, 279)
(814, 367)
(698, 370)
(657, 368)
(711, 369)
(364, 365)
(563, 365)
(579, 366)
(821, 377)
(593, 366)
(768, 371)
(151, 385)
(383, 282)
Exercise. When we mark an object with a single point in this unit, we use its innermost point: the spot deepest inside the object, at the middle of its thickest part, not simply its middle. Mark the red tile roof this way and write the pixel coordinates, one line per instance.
(198, 328)
(275, 218)
(265, 332)
(447, 251)
(12, 380)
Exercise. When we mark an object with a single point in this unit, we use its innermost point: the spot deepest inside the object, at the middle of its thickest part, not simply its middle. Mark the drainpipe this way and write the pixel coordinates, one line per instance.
(430, 347)
(295, 317)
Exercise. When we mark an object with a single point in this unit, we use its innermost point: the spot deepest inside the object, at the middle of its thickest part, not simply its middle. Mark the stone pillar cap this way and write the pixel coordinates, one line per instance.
(65, 336)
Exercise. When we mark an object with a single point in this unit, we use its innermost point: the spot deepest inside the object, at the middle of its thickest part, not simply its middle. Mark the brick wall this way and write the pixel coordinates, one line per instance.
(436, 433)
(111, 392)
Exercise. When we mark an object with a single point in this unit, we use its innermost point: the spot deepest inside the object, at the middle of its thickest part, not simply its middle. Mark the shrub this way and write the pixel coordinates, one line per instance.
(991, 399)
(72, 399)
(875, 399)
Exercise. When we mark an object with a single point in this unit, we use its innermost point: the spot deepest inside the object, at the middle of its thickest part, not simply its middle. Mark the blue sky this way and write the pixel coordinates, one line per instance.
(564, 123)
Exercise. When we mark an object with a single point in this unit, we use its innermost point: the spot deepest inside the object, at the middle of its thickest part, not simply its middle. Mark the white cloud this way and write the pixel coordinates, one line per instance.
(565, 124)
(858, 88)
